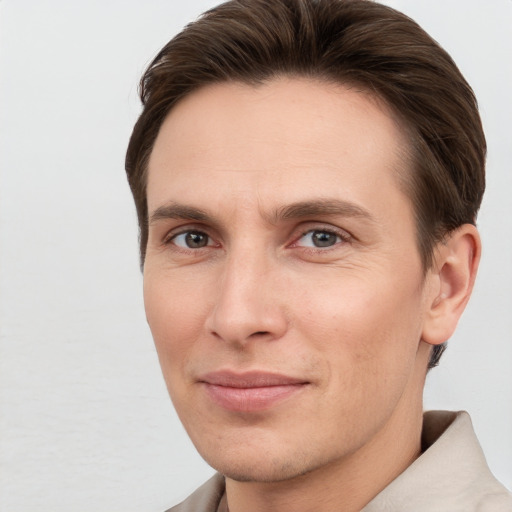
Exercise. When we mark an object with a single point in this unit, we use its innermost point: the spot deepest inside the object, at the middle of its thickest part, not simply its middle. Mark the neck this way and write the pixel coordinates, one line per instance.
(347, 484)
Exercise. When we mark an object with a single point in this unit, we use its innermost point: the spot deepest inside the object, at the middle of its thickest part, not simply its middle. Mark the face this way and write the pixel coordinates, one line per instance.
(282, 282)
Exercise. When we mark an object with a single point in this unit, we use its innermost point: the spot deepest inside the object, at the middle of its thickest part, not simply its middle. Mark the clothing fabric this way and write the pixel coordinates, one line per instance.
(451, 475)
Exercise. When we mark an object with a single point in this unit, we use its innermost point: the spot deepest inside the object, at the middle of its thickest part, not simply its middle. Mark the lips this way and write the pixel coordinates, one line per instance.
(250, 391)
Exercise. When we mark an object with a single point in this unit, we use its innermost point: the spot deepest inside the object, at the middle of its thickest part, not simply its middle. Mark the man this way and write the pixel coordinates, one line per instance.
(307, 176)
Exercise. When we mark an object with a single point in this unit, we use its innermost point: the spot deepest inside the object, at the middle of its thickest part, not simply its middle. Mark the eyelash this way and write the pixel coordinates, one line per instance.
(343, 237)
(171, 237)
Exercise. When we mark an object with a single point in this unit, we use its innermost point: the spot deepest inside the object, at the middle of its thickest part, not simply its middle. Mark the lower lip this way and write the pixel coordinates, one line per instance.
(251, 399)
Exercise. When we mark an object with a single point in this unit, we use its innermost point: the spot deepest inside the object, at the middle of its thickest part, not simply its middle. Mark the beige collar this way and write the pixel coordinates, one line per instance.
(451, 475)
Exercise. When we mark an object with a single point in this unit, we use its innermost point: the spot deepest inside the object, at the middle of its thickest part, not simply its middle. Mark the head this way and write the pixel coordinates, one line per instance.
(359, 43)
(251, 68)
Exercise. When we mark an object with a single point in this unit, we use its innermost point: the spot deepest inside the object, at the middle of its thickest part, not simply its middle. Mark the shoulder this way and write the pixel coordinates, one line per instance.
(500, 501)
(451, 475)
(204, 499)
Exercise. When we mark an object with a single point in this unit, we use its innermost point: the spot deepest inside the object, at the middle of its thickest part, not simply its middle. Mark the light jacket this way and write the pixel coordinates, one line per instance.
(451, 475)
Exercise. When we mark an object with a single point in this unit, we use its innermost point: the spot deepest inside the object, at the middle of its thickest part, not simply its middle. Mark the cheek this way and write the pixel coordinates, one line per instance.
(175, 317)
(372, 324)
(368, 335)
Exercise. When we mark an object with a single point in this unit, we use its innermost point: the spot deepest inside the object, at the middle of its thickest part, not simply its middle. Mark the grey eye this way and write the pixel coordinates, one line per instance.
(192, 240)
(324, 239)
(319, 238)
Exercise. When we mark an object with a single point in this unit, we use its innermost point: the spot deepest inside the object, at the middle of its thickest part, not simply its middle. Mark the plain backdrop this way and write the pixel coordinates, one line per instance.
(85, 421)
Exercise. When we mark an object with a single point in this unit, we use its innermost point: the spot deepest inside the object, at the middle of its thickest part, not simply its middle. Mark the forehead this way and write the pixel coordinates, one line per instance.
(287, 137)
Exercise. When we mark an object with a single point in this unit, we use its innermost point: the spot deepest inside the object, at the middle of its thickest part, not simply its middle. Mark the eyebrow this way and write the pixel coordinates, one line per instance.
(178, 211)
(321, 207)
(299, 210)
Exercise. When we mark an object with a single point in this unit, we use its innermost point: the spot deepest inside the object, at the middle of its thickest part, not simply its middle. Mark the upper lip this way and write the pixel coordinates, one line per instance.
(249, 379)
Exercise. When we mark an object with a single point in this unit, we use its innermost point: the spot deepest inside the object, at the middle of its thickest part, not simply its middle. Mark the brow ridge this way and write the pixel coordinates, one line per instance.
(178, 211)
(321, 207)
(298, 210)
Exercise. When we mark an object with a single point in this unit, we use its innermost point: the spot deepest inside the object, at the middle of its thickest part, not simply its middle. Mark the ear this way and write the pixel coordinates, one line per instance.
(451, 278)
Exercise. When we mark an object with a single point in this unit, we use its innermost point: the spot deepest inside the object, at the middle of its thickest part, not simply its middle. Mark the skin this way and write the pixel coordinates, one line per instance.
(242, 285)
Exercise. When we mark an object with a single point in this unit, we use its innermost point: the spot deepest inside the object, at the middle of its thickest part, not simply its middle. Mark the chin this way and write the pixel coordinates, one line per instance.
(261, 467)
(242, 472)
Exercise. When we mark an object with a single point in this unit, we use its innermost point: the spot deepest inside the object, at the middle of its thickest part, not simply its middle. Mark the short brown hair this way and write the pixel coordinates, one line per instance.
(357, 42)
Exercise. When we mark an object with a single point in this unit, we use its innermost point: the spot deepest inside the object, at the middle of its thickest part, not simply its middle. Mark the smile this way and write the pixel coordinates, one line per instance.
(251, 391)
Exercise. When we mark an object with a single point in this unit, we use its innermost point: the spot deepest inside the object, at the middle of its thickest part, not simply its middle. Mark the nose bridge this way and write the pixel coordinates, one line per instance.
(247, 301)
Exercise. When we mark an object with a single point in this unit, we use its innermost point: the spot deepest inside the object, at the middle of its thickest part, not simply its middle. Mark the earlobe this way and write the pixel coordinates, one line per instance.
(452, 279)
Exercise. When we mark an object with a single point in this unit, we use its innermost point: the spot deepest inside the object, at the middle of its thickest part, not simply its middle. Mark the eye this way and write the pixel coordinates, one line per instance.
(191, 240)
(319, 238)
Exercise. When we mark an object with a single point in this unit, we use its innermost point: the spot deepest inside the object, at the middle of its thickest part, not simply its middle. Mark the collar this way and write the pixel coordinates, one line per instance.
(450, 475)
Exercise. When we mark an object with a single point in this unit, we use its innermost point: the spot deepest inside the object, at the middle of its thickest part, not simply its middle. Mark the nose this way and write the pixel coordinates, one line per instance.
(249, 304)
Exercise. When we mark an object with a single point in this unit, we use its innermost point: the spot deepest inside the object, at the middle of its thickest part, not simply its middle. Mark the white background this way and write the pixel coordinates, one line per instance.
(85, 421)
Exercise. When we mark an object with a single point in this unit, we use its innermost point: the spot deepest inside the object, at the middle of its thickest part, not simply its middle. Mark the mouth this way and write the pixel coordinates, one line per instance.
(250, 391)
